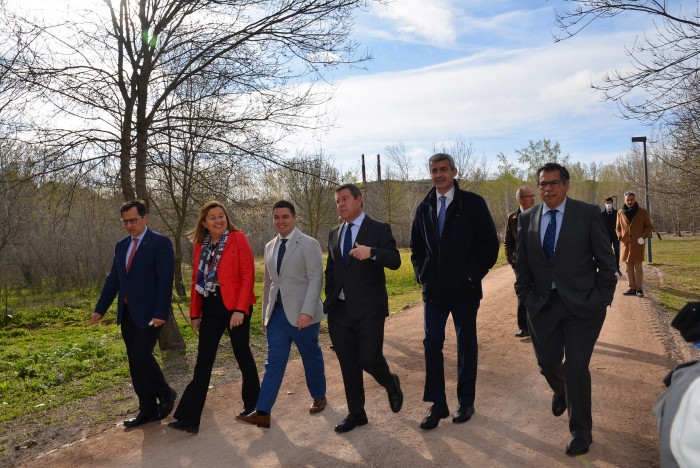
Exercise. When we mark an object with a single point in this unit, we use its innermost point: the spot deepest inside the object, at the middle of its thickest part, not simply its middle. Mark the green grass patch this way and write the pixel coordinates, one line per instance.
(678, 258)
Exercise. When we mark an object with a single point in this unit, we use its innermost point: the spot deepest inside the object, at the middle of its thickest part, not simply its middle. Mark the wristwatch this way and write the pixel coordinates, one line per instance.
(372, 252)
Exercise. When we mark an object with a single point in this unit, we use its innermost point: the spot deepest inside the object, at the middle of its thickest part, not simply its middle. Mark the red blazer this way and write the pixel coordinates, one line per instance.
(236, 274)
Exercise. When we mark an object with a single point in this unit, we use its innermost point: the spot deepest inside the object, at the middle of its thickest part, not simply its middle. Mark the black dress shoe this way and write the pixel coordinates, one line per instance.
(640, 293)
(578, 446)
(141, 418)
(437, 412)
(246, 411)
(630, 292)
(463, 414)
(396, 395)
(167, 403)
(558, 404)
(184, 426)
(522, 333)
(350, 422)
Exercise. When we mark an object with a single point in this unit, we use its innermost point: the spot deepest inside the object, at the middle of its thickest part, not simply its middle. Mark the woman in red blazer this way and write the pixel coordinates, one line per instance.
(222, 298)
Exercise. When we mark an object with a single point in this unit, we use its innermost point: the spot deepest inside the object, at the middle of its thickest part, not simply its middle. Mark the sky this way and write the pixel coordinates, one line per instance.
(486, 71)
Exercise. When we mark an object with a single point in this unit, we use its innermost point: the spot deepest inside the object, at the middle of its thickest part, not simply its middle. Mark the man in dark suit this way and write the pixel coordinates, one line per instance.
(526, 199)
(142, 277)
(565, 273)
(453, 245)
(357, 302)
(610, 221)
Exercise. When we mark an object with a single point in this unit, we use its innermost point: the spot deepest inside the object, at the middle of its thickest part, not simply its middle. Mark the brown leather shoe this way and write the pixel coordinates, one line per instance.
(318, 405)
(260, 420)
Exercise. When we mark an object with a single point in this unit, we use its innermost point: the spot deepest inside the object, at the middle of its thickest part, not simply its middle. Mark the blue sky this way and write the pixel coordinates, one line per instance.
(488, 71)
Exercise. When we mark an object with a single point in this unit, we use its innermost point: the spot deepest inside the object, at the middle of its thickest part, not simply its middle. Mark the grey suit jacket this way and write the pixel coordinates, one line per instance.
(583, 268)
(299, 280)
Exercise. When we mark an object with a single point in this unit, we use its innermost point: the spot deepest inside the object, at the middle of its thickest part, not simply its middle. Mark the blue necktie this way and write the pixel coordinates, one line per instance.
(550, 235)
(280, 254)
(441, 214)
(347, 243)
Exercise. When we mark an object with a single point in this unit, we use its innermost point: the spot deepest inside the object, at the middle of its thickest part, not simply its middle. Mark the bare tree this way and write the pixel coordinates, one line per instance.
(113, 78)
(472, 170)
(665, 61)
(310, 181)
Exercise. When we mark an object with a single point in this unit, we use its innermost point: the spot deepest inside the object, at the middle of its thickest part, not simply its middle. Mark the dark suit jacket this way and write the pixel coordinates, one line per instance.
(583, 268)
(511, 237)
(148, 284)
(363, 281)
(450, 267)
(610, 221)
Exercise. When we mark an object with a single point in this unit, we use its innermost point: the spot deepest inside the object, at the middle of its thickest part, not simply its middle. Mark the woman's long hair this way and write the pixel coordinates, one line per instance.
(200, 232)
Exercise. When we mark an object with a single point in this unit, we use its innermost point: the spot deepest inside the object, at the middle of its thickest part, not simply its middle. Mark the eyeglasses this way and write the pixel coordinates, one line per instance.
(550, 184)
(528, 196)
(131, 221)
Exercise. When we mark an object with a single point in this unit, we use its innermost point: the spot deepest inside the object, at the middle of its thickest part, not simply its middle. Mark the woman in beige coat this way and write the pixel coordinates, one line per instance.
(633, 226)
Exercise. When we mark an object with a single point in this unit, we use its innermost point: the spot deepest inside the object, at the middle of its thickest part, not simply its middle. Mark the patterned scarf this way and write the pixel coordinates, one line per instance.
(206, 272)
(630, 212)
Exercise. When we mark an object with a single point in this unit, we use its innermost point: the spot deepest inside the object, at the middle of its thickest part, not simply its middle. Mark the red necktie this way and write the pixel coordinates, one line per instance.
(133, 252)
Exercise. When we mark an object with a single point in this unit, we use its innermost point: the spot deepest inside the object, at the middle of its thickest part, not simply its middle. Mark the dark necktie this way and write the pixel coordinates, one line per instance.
(280, 254)
(347, 243)
(441, 214)
(550, 235)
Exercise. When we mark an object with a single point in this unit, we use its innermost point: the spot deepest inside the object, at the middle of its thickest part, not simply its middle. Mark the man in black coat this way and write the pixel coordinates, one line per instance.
(453, 245)
(357, 302)
(610, 219)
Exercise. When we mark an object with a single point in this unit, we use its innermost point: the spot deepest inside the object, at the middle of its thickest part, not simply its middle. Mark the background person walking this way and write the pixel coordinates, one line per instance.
(633, 226)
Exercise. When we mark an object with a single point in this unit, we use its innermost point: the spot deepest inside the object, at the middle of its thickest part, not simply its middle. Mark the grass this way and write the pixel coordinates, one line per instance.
(50, 356)
(678, 258)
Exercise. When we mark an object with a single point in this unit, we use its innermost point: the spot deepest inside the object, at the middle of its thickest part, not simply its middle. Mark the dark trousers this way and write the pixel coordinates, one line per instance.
(557, 334)
(616, 248)
(434, 322)
(358, 345)
(146, 376)
(215, 320)
(280, 336)
(521, 314)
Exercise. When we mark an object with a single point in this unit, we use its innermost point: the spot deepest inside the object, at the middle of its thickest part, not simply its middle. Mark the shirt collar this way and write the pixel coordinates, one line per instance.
(357, 221)
(289, 236)
(141, 236)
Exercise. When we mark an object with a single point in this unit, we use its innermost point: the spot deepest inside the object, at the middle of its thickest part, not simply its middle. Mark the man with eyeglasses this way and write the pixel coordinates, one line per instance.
(565, 274)
(142, 277)
(526, 199)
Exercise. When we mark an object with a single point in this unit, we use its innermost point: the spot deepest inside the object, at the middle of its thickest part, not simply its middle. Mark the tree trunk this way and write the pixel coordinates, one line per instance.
(170, 338)
(179, 285)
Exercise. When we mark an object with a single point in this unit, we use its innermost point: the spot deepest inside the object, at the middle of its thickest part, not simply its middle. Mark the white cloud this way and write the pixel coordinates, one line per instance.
(499, 99)
(425, 21)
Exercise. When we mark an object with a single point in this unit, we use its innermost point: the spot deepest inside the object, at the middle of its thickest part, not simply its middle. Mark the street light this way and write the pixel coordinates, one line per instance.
(643, 140)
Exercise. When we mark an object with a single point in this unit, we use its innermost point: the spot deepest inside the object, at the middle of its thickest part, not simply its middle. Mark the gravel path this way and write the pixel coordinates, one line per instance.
(513, 425)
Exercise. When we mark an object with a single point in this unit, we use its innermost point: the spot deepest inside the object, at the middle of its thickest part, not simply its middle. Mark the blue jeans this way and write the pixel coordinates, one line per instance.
(280, 335)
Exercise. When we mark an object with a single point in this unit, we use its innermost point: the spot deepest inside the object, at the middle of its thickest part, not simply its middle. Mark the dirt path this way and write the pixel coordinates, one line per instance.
(512, 426)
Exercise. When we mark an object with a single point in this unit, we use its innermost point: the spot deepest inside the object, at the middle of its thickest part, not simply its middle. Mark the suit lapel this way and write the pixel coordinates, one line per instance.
(143, 244)
(291, 247)
(365, 227)
(567, 225)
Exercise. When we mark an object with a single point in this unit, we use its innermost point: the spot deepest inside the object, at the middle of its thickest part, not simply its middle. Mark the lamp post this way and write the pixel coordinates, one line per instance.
(643, 140)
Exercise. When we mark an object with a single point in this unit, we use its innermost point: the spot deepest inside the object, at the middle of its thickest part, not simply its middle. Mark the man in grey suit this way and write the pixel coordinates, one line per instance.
(292, 312)
(565, 274)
